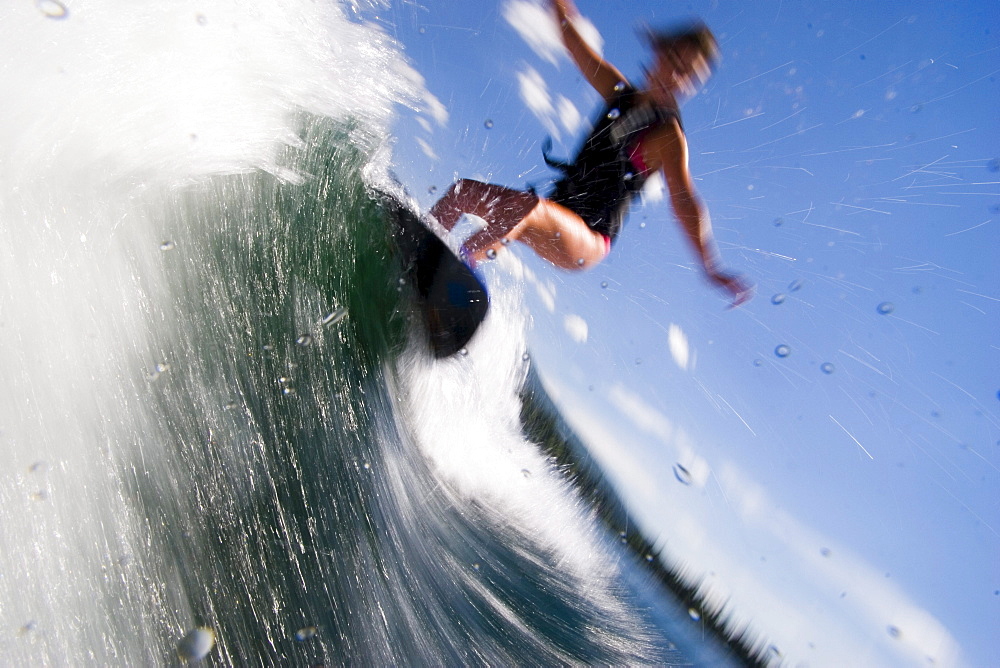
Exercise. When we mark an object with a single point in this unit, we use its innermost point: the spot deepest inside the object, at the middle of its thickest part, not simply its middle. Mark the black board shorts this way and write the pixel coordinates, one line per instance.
(600, 207)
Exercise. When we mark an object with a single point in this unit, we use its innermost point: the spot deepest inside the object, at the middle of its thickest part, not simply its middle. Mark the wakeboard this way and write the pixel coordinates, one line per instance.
(450, 297)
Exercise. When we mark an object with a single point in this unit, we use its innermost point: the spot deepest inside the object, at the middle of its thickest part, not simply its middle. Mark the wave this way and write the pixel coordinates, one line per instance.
(215, 409)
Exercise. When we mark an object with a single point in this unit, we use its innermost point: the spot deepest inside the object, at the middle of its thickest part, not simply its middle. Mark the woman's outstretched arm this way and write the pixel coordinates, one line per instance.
(600, 74)
(669, 151)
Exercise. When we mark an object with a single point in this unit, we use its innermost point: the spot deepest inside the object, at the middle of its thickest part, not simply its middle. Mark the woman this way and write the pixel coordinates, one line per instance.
(638, 134)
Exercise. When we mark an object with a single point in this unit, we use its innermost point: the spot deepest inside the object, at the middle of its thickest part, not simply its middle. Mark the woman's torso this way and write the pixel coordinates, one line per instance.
(612, 164)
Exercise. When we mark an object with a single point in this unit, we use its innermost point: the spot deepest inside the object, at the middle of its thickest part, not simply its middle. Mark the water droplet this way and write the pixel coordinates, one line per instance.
(525, 357)
(885, 308)
(825, 552)
(682, 474)
(53, 9)
(306, 633)
(628, 176)
(604, 285)
(826, 368)
(491, 254)
(778, 222)
(201, 19)
(557, 235)
(463, 352)
(505, 241)
(288, 391)
(196, 645)
(620, 86)
(488, 124)
(526, 473)
(778, 298)
(795, 286)
(39, 467)
(994, 165)
(158, 371)
(475, 566)
(580, 262)
(432, 189)
(167, 246)
(694, 614)
(758, 362)
(649, 558)
(614, 113)
(783, 350)
(29, 627)
(893, 631)
(333, 318)
(304, 340)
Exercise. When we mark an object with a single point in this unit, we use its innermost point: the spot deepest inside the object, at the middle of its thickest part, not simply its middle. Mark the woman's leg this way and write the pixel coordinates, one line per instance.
(560, 236)
(551, 230)
(501, 207)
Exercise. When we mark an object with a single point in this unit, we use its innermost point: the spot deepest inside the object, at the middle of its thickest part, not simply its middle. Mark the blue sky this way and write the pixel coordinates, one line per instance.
(844, 496)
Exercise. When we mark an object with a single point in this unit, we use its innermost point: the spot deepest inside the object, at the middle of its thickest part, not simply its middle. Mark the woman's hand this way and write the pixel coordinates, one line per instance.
(734, 284)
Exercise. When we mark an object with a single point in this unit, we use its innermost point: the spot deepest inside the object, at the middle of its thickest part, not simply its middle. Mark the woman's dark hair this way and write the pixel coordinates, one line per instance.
(695, 34)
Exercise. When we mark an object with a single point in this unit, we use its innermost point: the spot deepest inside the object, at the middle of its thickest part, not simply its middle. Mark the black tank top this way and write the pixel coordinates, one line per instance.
(599, 183)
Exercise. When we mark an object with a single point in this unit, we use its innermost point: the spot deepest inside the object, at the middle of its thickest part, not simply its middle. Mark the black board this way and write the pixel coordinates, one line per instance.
(451, 299)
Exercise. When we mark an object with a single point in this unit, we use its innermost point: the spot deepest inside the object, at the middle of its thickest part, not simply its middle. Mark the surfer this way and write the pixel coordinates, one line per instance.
(638, 133)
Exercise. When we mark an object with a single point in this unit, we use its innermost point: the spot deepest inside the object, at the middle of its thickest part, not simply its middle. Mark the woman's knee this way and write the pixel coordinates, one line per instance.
(456, 201)
(465, 186)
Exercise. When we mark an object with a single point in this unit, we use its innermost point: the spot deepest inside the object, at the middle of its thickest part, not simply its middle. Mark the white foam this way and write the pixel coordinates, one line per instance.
(465, 412)
(176, 91)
